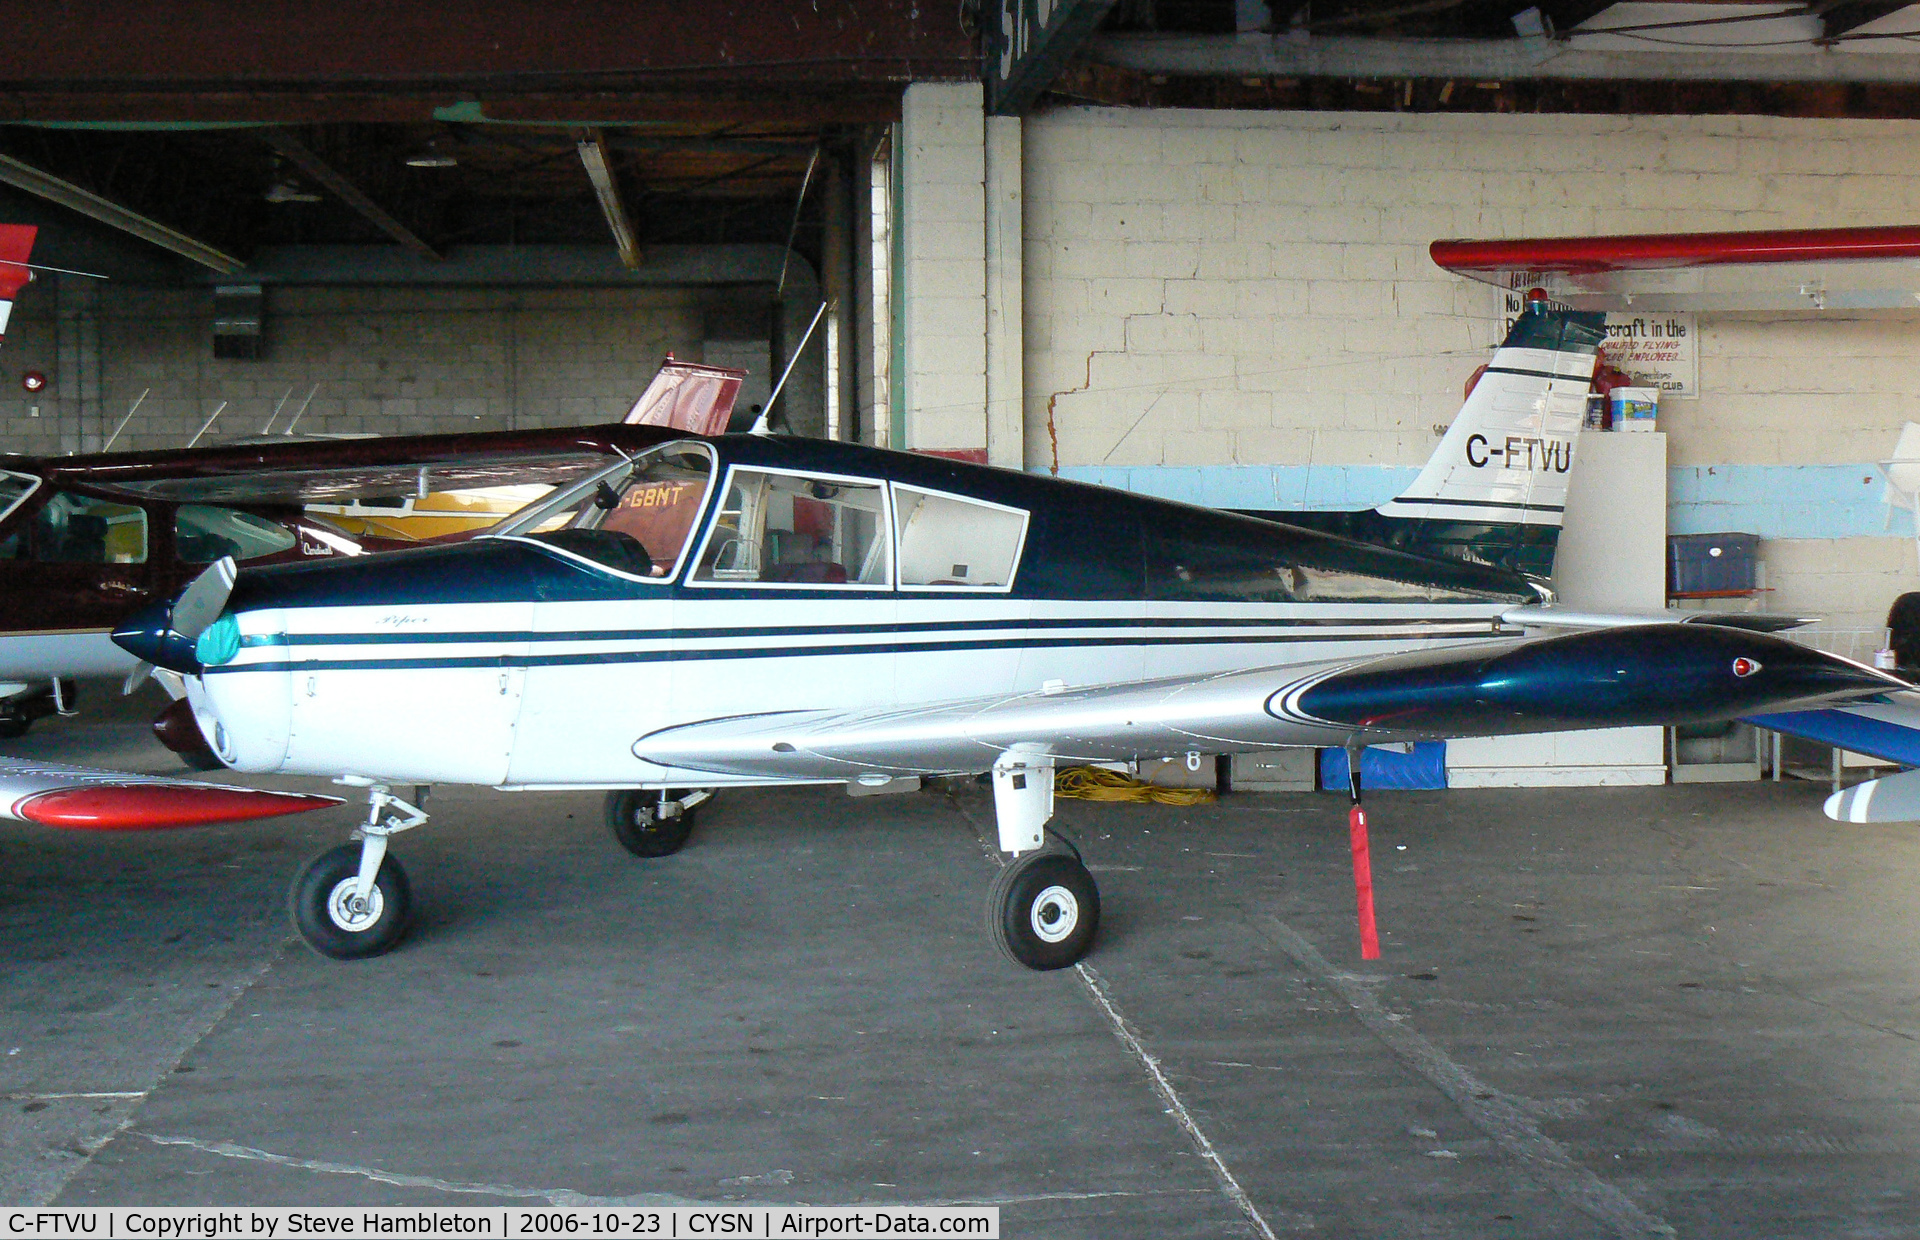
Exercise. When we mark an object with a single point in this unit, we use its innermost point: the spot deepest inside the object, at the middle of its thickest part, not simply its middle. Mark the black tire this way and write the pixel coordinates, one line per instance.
(327, 881)
(634, 817)
(1044, 910)
(14, 725)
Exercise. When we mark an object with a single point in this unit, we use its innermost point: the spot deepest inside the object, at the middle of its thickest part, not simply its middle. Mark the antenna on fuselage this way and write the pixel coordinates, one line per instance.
(276, 411)
(302, 409)
(123, 421)
(206, 425)
(762, 425)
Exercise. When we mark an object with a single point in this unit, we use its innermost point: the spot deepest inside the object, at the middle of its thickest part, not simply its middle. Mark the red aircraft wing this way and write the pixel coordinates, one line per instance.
(55, 795)
(1795, 269)
(16, 243)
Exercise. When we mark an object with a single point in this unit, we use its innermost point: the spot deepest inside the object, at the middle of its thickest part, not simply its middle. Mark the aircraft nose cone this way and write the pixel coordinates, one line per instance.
(148, 634)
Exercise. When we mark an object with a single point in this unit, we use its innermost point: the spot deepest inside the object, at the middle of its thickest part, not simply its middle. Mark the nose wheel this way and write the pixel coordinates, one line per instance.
(352, 902)
(335, 919)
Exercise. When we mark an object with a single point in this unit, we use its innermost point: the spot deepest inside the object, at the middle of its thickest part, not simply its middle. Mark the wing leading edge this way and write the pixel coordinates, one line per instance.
(1655, 674)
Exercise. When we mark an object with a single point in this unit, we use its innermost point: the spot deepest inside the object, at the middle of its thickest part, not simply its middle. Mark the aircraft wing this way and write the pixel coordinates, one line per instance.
(1888, 729)
(1611, 677)
(1799, 269)
(55, 795)
(333, 471)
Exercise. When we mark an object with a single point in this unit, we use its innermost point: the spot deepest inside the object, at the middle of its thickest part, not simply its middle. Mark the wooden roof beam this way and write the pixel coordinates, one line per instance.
(296, 153)
(67, 194)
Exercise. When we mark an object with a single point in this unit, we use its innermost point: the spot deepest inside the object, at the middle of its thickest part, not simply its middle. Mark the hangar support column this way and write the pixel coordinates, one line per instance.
(1006, 345)
(943, 269)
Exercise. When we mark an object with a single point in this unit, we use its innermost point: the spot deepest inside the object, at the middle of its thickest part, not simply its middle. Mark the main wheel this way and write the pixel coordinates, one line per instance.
(1044, 910)
(651, 823)
(324, 909)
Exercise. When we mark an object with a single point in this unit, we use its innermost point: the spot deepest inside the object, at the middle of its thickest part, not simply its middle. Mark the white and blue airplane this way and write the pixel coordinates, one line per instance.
(710, 612)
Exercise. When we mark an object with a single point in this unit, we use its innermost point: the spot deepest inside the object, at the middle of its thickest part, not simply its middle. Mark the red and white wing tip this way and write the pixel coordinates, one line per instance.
(16, 243)
(55, 795)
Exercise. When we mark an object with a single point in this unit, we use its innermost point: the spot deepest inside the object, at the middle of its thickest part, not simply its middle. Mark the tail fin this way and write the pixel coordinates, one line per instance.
(16, 243)
(1507, 457)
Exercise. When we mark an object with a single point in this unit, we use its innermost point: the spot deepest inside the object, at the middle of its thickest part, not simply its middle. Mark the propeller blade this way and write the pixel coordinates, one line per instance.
(204, 598)
(136, 677)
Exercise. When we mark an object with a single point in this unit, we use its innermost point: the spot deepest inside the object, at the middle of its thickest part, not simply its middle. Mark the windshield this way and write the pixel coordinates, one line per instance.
(13, 489)
(633, 517)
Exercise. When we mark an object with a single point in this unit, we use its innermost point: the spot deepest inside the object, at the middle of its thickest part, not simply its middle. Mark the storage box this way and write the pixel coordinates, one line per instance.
(1278, 770)
(1711, 563)
(1635, 409)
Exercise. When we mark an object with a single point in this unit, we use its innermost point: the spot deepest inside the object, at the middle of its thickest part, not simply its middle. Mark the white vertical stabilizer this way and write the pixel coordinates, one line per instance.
(1508, 455)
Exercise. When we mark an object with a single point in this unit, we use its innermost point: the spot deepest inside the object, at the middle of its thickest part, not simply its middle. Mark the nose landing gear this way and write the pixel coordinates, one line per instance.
(353, 901)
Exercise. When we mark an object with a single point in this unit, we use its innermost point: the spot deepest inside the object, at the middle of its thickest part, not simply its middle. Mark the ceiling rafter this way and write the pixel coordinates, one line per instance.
(296, 153)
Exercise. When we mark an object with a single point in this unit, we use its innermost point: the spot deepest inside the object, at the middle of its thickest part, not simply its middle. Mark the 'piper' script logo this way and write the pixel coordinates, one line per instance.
(1522, 452)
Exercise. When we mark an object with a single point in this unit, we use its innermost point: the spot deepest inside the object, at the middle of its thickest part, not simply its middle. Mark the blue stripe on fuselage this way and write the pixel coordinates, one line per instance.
(1279, 624)
(683, 654)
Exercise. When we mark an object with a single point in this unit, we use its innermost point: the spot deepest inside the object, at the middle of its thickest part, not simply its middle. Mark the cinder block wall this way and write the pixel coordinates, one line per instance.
(389, 360)
(1238, 306)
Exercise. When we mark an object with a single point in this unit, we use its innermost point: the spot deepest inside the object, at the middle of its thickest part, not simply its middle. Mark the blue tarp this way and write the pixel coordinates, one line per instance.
(1425, 767)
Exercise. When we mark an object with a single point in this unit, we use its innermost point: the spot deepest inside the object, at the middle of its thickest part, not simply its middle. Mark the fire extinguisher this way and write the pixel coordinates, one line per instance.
(1606, 377)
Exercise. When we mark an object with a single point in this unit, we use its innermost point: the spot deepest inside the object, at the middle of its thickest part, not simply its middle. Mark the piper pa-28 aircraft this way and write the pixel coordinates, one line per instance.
(747, 609)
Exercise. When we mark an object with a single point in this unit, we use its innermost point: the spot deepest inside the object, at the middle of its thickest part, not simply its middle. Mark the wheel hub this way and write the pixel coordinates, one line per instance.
(1055, 913)
(349, 913)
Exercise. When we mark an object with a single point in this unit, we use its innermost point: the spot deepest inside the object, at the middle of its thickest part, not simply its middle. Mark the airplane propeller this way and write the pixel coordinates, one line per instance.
(164, 636)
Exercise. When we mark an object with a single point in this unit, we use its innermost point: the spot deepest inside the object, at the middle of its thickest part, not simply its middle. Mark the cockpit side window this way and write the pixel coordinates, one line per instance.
(954, 542)
(634, 519)
(78, 529)
(202, 533)
(798, 530)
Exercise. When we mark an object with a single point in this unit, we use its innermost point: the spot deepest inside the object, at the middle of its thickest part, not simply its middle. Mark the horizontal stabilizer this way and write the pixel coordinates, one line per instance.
(55, 795)
(1888, 730)
(1893, 799)
(1558, 618)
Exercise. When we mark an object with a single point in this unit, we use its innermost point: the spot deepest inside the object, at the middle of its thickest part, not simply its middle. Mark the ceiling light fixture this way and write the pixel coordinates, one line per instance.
(289, 191)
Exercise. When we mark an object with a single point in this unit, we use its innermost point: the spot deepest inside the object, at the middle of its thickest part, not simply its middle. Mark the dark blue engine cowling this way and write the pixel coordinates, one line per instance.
(1624, 677)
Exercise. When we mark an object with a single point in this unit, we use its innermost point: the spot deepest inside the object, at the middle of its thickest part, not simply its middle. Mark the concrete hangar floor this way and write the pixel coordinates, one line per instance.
(1597, 1013)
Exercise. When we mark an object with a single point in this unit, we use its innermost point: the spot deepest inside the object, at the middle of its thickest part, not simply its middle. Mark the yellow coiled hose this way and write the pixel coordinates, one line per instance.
(1094, 783)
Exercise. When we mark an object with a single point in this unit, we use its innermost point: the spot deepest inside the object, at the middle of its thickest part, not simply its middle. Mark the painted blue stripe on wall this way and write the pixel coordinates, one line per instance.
(1773, 501)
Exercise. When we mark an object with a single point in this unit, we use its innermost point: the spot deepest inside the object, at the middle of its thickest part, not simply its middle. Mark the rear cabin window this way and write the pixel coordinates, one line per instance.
(798, 530)
(1252, 566)
(79, 529)
(203, 533)
(947, 541)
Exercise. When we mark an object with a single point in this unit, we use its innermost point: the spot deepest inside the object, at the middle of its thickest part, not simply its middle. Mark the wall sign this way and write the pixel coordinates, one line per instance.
(1659, 350)
(1027, 42)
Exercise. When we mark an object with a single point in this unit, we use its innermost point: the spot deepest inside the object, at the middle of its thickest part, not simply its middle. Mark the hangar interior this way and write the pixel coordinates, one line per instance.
(1186, 256)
